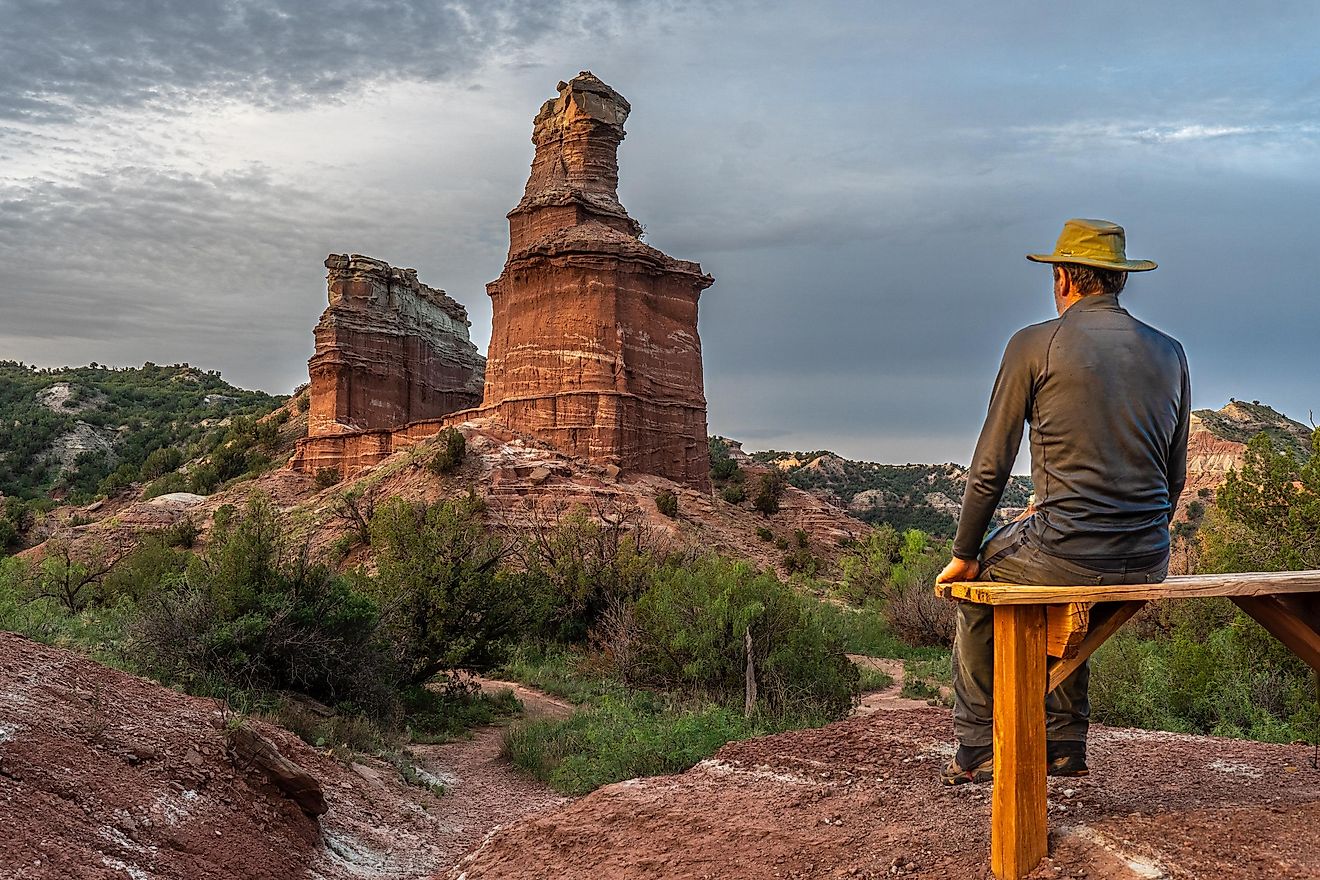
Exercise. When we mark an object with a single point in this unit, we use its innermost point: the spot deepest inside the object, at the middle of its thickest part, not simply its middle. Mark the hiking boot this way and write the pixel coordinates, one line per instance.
(1066, 758)
(972, 764)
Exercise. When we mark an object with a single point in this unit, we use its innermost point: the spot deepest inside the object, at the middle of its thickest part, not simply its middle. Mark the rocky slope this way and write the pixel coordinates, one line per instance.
(929, 496)
(924, 496)
(106, 776)
(68, 429)
(524, 483)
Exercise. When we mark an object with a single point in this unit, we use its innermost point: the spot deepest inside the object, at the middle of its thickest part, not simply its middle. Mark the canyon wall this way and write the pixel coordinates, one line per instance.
(594, 346)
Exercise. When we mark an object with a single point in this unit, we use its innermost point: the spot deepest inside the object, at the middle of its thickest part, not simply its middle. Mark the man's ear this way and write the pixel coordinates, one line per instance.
(1062, 282)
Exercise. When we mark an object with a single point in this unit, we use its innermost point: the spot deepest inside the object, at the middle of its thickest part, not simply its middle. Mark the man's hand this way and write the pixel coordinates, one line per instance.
(959, 570)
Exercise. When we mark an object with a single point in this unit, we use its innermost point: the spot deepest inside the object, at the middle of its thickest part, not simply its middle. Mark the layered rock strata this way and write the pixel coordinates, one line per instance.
(390, 352)
(1217, 443)
(594, 346)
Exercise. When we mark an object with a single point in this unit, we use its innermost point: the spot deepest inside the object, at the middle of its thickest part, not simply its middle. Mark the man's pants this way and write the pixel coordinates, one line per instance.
(1008, 557)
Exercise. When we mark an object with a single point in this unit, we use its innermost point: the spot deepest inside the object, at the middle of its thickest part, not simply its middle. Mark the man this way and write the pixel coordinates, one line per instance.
(1108, 400)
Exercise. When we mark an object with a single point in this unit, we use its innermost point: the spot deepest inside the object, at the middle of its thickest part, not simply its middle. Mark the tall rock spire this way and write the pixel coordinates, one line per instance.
(594, 345)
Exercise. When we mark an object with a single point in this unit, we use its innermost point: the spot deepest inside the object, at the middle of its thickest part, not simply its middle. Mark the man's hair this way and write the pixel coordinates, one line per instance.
(1089, 280)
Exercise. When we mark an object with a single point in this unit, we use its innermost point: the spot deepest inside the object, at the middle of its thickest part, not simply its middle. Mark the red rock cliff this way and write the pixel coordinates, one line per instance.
(594, 344)
(389, 351)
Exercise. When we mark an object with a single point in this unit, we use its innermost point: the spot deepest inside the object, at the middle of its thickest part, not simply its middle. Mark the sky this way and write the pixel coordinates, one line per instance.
(861, 178)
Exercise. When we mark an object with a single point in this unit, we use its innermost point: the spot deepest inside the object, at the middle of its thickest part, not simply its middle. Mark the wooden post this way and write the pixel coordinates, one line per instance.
(749, 697)
(1018, 826)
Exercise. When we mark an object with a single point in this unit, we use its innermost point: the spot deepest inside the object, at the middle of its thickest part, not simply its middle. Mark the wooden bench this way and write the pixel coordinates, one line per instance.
(1043, 634)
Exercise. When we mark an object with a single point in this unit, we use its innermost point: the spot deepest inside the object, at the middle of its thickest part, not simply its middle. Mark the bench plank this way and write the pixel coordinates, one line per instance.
(1181, 587)
(1019, 831)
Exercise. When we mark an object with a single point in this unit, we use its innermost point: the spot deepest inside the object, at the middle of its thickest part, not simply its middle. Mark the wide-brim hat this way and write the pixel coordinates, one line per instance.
(1096, 243)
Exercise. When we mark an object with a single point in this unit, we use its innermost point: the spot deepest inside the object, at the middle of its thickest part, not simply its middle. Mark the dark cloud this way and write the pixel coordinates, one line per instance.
(863, 185)
(67, 57)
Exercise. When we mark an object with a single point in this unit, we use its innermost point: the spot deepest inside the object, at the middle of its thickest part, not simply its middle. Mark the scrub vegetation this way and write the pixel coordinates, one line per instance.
(76, 433)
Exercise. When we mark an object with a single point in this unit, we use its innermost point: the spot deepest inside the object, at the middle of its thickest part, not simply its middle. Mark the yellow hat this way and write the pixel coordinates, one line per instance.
(1097, 243)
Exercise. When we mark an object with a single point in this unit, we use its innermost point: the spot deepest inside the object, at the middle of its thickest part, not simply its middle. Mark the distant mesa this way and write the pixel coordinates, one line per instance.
(594, 346)
(1217, 442)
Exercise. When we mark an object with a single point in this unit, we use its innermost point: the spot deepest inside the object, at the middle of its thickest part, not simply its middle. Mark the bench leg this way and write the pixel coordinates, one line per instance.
(1018, 826)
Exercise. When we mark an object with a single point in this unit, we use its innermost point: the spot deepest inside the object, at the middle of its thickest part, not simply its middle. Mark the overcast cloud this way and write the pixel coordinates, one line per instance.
(862, 180)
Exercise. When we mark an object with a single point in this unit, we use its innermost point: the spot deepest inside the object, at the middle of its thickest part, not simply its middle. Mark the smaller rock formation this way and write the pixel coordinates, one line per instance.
(390, 352)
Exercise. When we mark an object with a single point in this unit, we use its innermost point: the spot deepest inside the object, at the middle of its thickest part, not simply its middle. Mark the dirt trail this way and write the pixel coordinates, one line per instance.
(889, 698)
(483, 792)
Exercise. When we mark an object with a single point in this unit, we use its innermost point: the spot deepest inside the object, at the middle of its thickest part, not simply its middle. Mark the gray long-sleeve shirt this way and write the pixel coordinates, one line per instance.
(1108, 399)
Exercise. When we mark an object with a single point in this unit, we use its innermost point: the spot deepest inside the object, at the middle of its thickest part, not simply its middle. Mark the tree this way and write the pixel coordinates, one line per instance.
(443, 597)
(71, 577)
(1267, 515)
(769, 490)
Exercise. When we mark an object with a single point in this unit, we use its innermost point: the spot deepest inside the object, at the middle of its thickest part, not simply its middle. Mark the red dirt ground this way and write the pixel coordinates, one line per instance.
(859, 798)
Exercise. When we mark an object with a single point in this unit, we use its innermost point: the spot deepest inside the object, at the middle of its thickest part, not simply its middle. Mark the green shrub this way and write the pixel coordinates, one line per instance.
(800, 560)
(161, 462)
(171, 482)
(451, 452)
(99, 631)
(447, 604)
(865, 631)
(327, 477)
(203, 480)
(692, 625)
(577, 566)
(667, 503)
(872, 679)
(900, 571)
(919, 689)
(348, 731)
(734, 493)
(439, 713)
(769, 490)
(1228, 678)
(9, 537)
(625, 737)
(119, 479)
(722, 467)
(250, 616)
(153, 565)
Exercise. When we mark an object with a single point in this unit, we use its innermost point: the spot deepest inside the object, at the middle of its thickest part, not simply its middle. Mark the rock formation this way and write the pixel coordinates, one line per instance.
(594, 346)
(390, 352)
